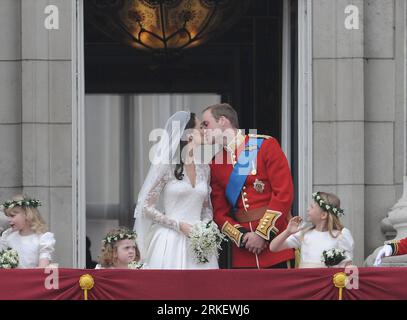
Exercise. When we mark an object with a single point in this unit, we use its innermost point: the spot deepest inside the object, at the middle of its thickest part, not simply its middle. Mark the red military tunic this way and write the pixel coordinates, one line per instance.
(399, 247)
(276, 192)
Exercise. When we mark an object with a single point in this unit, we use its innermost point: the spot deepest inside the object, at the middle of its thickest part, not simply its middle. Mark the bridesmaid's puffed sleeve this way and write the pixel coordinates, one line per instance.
(4, 224)
(294, 240)
(47, 244)
(3, 239)
(346, 243)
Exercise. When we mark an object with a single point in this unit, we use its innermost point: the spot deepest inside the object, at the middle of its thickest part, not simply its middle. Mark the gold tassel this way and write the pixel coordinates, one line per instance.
(339, 281)
(86, 283)
(297, 258)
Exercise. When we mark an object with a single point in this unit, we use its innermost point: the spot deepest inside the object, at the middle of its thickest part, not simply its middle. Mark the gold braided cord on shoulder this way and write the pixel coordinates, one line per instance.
(261, 136)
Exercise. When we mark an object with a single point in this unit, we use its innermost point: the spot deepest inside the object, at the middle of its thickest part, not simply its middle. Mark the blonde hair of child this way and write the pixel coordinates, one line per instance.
(32, 215)
(108, 255)
(333, 221)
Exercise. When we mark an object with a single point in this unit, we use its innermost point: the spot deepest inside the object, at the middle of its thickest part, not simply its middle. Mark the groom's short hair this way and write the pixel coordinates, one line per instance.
(225, 110)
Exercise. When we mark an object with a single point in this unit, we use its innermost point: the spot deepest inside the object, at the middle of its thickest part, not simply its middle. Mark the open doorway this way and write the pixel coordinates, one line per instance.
(125, 87)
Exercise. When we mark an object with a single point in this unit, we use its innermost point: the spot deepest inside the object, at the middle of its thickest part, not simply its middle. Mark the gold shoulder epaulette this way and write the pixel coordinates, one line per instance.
(262, 136)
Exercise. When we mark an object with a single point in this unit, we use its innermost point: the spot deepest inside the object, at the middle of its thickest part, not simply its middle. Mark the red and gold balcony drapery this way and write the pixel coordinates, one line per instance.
(296, 284)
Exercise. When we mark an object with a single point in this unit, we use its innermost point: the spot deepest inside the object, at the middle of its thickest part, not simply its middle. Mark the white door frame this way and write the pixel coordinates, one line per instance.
(305, 86)
(78, 137)
(304, 97)
(286, 82)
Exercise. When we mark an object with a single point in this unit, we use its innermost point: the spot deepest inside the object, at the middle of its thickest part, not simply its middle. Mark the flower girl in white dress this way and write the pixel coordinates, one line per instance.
(119, 250)
(326, 233)
(27, 233)
(183, 186)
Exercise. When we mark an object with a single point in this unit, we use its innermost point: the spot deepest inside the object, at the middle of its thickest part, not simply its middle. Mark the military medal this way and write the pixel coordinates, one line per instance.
(258, 186)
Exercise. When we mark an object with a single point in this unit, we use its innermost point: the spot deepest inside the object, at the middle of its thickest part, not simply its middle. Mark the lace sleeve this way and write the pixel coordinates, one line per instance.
(207, 210)
(47, 244)
(152, 197)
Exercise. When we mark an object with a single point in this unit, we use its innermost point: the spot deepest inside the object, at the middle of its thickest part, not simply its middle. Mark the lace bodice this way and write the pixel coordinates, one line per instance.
(181, 200)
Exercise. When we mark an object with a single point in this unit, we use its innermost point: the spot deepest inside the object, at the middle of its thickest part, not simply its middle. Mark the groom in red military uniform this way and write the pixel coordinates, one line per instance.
(252, 190)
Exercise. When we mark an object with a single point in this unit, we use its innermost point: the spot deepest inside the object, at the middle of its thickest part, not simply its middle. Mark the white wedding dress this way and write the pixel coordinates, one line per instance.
(166, 246)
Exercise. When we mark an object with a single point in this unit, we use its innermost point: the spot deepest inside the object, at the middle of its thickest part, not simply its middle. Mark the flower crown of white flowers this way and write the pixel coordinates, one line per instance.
(119, 236)
(26, 202)
(327, 206)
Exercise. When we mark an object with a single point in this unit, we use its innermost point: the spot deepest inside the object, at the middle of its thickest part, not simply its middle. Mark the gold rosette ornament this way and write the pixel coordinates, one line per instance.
(339, 281)
(86, 283)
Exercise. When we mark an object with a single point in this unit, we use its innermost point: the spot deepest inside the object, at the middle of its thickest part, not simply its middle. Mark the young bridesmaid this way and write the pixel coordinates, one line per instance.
(119, 250)
(27, 233)
(326, 233)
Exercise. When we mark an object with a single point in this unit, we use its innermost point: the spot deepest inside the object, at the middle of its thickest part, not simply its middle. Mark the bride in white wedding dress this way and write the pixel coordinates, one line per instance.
(184, 191)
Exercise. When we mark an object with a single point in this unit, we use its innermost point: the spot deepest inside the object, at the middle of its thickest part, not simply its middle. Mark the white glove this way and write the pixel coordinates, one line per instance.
(386, 251)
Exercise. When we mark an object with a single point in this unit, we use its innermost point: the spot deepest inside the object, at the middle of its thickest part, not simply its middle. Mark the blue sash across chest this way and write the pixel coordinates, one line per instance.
(241, 170)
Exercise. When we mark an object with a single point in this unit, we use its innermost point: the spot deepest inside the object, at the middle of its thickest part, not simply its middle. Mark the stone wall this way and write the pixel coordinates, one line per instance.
(380, 110)
(35, 113)
(358, 114)
(338, 112)
(10, 102)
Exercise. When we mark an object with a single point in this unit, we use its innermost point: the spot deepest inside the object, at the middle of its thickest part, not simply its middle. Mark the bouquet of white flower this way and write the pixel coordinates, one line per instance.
(333, 257)
(8, 258)
(205, 241)
(135, 265)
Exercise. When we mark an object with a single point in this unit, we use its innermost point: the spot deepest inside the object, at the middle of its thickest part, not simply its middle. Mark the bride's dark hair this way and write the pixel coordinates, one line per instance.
(179, 168)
